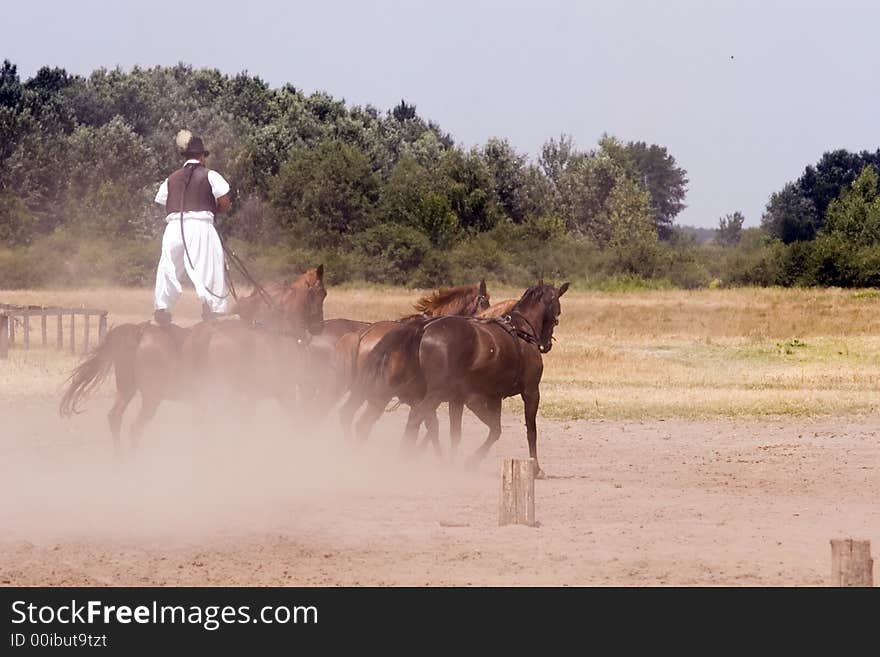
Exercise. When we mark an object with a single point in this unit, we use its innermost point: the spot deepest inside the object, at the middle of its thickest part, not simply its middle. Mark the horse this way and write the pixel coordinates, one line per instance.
(352, 351)
(161, 362)
(474, 362)
(383, 390)
(264, 354)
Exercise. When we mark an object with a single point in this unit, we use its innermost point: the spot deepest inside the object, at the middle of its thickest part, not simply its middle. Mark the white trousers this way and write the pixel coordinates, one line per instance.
(206, 271)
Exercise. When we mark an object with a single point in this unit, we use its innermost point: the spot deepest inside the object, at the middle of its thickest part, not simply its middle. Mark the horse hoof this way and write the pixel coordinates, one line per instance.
(540, 474)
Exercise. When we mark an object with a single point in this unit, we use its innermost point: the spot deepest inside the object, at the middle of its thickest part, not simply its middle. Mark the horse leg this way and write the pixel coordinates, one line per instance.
(114, 417)
(419, 413)
(346, 413)
(149, 404)
(432, 425)
(531, 398)
(368, 418)
(489, 412)
(456, 408)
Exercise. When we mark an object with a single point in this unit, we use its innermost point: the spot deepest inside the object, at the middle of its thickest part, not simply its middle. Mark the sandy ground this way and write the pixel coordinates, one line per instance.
(264, 502)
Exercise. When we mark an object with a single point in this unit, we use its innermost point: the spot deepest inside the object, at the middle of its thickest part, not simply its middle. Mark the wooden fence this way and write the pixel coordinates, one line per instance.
(15, 319)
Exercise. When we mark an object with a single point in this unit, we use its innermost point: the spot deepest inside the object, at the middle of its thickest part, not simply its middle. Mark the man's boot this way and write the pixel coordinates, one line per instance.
(162, 317)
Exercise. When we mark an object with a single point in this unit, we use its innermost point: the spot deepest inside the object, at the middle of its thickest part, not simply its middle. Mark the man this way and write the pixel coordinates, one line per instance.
(192, 196)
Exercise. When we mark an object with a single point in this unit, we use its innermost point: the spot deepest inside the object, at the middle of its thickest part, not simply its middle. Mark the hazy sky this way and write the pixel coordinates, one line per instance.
(804, 78)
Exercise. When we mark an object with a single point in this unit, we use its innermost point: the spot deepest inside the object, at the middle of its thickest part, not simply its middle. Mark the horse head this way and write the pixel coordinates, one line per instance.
(539, 306)
(292, 308)
(302, 307)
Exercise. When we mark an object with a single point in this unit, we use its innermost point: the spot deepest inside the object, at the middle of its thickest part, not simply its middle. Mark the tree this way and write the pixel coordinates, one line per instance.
(404, 112)
(600, 201)
(324, 193)
(665, 181)
(508, 170)
(729, 230)
(855, 214)
(791, 216)
(555, 156)
(798, 211)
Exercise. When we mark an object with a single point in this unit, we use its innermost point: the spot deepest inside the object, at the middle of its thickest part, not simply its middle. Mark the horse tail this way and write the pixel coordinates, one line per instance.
(403, 340)
(117, 348)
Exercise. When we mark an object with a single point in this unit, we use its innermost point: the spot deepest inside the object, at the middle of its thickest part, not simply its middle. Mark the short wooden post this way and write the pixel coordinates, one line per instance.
(73, 333)
(26, 322)
(59, 341)
(86, 334)
(102, 327)
(4, 336)
(518, 492)
(11, 330)
(43, 328)
(851, 563)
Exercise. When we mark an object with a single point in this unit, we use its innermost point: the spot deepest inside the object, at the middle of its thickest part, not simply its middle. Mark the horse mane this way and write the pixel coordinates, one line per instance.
(440, 300)
(498, 309)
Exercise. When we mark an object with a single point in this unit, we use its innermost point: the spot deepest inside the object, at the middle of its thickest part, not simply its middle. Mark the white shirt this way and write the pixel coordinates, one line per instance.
(219, 187)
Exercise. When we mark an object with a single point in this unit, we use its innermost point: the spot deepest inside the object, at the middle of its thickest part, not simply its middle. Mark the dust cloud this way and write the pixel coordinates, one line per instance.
(59, 479)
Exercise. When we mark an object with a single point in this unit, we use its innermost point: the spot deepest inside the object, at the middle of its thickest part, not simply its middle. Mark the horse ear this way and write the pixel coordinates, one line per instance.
(483, 286)
(320, 271)
(562, 290)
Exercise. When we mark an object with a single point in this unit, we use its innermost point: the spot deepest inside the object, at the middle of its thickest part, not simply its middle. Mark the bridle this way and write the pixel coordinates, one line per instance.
(530, 336)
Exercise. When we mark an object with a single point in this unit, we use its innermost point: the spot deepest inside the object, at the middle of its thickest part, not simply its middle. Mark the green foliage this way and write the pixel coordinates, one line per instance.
(391, 252)
(16, 222)
(729, 230)
(798, 211)
(324, 193)
(855, 214)
(664, 180)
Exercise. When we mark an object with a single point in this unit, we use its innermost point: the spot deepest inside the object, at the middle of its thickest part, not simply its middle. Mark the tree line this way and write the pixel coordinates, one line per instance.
(377, 196)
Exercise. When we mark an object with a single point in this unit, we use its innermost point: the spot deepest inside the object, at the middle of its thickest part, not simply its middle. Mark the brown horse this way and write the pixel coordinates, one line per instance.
(162, 362)
(353, 350)
(475, 362)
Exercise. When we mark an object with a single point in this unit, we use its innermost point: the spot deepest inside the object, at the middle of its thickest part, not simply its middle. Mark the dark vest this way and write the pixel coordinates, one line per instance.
(198, 195)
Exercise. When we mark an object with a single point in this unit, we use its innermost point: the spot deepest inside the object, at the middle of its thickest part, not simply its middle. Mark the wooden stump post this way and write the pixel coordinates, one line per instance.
(517, 492)
(11, 330)
(73, 333)
(102, 327)
(851, 563)
(4, 336)
(43, 328)
(59, 340)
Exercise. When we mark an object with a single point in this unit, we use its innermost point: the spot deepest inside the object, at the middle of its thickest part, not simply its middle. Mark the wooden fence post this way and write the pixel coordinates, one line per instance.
(4, 336)
(517, 492)
(86, 334)
(11, 330)
(59, 343)
(26, 321)
(43, 327)
(851, 563)
(73, 333)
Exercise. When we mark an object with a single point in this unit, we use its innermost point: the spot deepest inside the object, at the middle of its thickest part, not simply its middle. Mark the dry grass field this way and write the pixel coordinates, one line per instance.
(644, 354)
